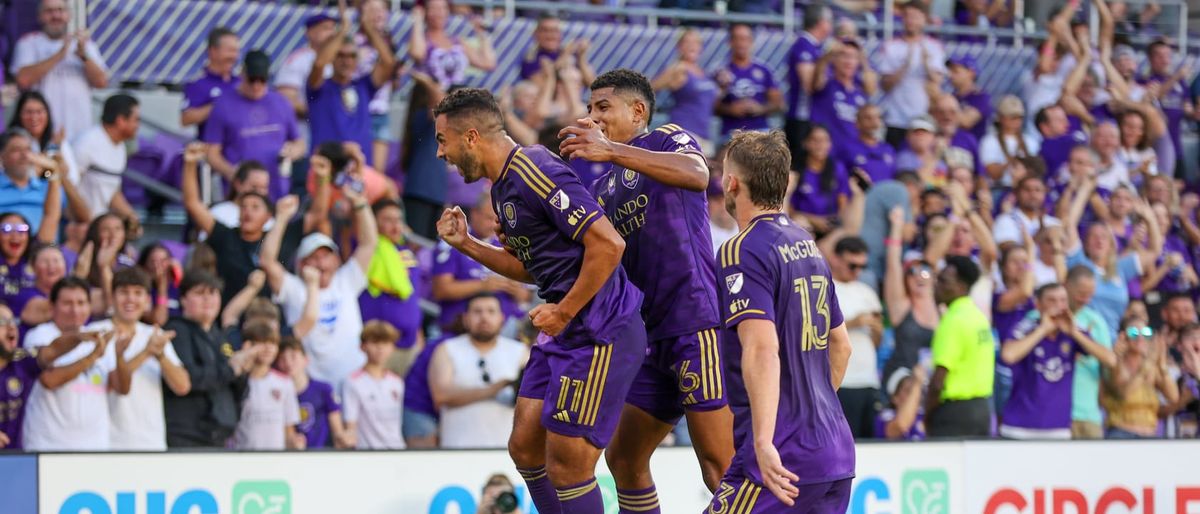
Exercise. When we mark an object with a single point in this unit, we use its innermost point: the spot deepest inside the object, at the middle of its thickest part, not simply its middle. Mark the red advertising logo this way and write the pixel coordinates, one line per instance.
(1069, 500)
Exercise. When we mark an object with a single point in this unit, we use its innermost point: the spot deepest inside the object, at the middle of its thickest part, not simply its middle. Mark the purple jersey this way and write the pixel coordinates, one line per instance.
(1056, 152)
(545, 213)
(339, 112)
(664, 224)
(806, 50)
(693, 107)
(206, 89)
(963, 140)
(449, 261)
(813, 196)
(253, 130)
(1005, 321)
(1172, 104)
(773, 271)
(915, 433)
(879, 160)
(531, 63)
(404, 314)
(982, 102)
(835, 107)
(16, 382)
(1173, 281)
(588, 171)
(417, 396)
(316, 403)
(13, 279)
(1041, 382)
(751, 82)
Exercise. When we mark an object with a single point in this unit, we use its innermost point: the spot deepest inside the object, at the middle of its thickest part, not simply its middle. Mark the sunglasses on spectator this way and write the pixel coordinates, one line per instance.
(921, 271)
(9, 228)
(257, 80)
(1135, 332)
(855, 266)
(487, 379)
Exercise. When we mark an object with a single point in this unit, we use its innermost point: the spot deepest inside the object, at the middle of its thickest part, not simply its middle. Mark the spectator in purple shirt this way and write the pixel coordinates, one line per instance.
(902, 419)
(338, 106)
(947, 115)
(320, 411)
(218, 78)
(839, 93)
(1172, 95)
(802, 62)
(693, 91)
(402, 309)
(868, 151)
(983, 15)
(254, 124)
(547, 39)
(748, 90)
(822, 188)
(976, 103)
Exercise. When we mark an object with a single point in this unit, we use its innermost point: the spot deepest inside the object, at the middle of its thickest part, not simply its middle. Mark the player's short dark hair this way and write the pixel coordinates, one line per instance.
(116, 106)
(198, 278)
(1079, 272)
(764, 161)
(472, 102)
(217, 34)
(259, 330)
(1041, 291)
(850, 244)
(335, 151)
(131, 277)
(626, 81)
(965, 268)
(68, 282)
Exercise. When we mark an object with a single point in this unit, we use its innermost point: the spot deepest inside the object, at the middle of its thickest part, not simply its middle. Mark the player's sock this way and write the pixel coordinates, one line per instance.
(638, 501)
(545, 498)
(582, 498)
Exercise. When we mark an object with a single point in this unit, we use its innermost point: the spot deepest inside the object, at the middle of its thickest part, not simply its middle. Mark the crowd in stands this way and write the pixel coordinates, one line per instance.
(1018, 266)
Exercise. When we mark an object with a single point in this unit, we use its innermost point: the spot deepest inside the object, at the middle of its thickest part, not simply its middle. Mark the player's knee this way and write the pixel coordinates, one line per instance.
(523, 453)
(624, 463)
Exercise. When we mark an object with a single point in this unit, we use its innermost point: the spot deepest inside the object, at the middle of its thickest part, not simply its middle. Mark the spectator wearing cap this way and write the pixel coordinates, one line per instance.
(859, 392)
(976, 103)
(921, 153)
(802, 65)
(904, 418)
(906, 64)
(297, 66)
(218, 78)
(63, 66)
(1171, 94)
(254, 124)
(208, 414)
(331, 343)
(839, 89)
(866, 151)
(1042, 354)
(964, 355)
(1086, 416)
(1002, 150)
(339, 105)
(101, 155)
(749, 93)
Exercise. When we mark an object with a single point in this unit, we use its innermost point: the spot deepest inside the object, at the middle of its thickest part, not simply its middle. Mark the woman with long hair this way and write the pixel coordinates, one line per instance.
(165, 272)
(105, 250)
(908, 293)
(694, 93)
(32, 113)
(821, 190)
(441, 55)
(1003, 148)
(1137, 150)
(1132, 388)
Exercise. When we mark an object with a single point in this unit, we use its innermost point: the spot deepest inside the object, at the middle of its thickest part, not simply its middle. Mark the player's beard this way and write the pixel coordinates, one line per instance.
(731, 205)
(471, 168)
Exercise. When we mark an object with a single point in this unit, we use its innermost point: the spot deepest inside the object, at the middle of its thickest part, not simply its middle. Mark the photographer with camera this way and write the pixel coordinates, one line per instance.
(498, 497)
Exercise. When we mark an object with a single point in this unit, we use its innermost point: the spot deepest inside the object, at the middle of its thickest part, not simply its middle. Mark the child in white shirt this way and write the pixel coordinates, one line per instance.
(270, 413)
(374, 396)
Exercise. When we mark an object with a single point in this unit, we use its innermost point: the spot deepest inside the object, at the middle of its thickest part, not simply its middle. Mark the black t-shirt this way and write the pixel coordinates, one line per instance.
(236, 257)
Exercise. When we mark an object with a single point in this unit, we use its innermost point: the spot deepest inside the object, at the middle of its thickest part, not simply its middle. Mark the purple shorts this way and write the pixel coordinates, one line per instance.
(680, 373)
(740, 495)
(584, 385)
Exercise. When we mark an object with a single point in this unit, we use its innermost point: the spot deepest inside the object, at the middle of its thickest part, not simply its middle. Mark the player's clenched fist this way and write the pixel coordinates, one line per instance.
(549, 318)
(452, 227)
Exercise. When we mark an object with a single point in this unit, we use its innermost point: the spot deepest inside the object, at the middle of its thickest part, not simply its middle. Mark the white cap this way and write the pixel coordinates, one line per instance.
(312, 243)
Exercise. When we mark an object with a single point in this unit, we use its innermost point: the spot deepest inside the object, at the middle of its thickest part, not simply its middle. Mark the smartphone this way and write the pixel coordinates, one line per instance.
(344, 178)
(860, 176)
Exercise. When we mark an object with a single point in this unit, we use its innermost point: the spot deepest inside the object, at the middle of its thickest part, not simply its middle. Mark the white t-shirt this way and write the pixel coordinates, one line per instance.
(1043, 274)
(1114, 175)
(1133, 159)
(1013, 225)
(1042, 91)
(73, 417)
(908, 99)
(229, 214)
(66, 87)
(856, 299)
(137, 420)
(101, 164)
(333, 342)
(485, 423)
(991, 153)
(376, 407)
(269, 409)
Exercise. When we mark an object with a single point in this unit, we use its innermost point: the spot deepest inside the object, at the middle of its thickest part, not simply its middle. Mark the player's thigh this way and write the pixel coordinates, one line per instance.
(527, 443)
(638, 434)
(712, 433)
(693, 362)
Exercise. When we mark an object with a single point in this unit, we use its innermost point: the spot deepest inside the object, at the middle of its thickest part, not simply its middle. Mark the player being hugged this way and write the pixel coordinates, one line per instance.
(655, 196)
(785, 346)
(592, 339)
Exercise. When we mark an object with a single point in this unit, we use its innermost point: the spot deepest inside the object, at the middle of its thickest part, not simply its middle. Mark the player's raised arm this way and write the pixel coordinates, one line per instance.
(452, 228)
(685, 170)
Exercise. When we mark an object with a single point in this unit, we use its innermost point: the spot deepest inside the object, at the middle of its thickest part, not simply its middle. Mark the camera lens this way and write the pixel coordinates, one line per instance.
(506, 502)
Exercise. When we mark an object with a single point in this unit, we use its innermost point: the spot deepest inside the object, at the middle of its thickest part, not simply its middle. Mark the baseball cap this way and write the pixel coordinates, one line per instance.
(922, 122)
(313, 242)
(317, 19)
(966, 61)
(257, 65)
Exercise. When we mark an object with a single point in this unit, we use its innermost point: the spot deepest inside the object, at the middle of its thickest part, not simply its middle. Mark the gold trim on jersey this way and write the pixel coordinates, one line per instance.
(747, 311)
(533, 175)
(732, 249)
(583, 223)
(669, 128)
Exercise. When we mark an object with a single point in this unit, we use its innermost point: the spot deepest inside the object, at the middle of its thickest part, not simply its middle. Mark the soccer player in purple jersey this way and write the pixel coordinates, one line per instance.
(655, 195)
(785, 345)
(592, 341)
